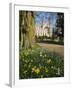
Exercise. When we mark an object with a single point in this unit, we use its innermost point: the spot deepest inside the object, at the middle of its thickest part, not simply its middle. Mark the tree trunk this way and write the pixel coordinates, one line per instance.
(27, 29)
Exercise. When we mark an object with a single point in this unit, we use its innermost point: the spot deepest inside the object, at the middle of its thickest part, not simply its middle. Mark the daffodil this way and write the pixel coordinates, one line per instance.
(37, 70)
(33, 69)
(25, 72)
(46, 70)
(40, 53)
(49, 61)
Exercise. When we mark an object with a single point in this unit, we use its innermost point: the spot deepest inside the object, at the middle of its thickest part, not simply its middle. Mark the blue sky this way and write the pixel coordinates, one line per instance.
(46, 15)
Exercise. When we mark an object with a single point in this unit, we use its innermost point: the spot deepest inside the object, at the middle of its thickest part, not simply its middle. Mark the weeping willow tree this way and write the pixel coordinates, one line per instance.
(26, 28)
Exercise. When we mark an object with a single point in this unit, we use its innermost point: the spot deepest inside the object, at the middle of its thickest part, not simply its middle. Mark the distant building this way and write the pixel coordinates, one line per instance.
(46, 30)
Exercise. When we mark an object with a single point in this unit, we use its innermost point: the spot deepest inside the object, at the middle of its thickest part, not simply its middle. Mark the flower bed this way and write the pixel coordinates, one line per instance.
(39, 63)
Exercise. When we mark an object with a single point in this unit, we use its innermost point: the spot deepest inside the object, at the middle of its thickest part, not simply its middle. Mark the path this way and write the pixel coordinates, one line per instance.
(53, 48)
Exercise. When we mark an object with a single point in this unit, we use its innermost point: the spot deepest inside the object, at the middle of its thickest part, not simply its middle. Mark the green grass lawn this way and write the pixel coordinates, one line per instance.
(39, 63)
